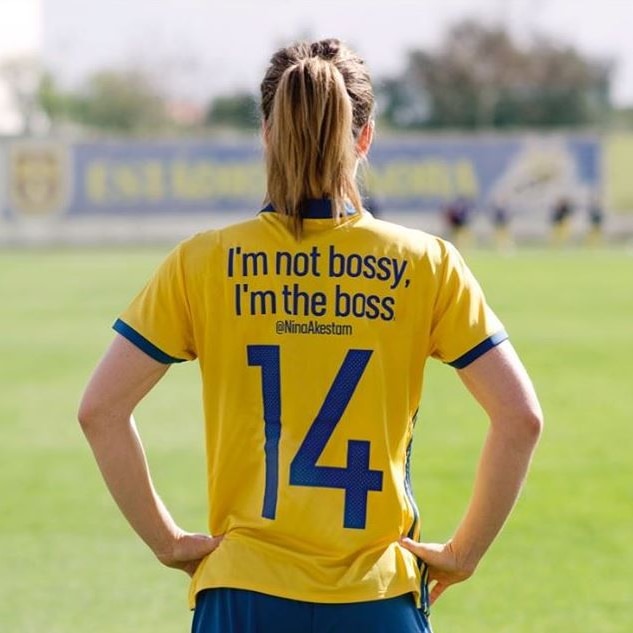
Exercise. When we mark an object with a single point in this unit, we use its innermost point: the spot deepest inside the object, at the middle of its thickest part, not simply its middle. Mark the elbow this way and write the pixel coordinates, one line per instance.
(522, 425)
(87, 416)
(534, 423)
(528, 424)
(98, 416)
(92, 416)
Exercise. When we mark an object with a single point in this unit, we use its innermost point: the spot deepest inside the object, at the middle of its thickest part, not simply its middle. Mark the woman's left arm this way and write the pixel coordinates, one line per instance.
(120, 381)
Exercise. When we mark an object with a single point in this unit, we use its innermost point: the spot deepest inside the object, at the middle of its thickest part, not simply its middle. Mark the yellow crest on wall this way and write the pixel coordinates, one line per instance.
(39, 178)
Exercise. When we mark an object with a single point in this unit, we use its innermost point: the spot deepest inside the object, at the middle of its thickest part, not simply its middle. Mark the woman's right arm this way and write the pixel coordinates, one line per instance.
(501, 385)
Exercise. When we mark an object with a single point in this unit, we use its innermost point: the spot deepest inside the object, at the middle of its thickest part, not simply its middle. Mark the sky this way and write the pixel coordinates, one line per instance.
(200, 48)
(20, 26)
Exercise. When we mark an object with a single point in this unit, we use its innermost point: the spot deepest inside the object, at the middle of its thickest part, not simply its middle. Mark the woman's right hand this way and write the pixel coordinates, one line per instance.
(443, 562)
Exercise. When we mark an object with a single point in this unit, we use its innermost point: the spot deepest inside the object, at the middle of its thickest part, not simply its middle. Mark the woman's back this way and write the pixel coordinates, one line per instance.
(312, 353)
(312, 324)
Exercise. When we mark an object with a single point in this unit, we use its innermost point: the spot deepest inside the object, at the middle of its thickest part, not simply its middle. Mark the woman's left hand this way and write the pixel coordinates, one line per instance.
(188, 550)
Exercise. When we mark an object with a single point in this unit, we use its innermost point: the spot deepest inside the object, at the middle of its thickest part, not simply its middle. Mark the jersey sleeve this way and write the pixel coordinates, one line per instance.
(463, 327)
(158, 321)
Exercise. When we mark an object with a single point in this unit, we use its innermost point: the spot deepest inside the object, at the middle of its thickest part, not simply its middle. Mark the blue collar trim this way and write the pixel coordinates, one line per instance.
(318, 208)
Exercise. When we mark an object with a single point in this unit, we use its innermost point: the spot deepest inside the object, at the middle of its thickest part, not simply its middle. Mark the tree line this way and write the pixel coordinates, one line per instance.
(479, 77)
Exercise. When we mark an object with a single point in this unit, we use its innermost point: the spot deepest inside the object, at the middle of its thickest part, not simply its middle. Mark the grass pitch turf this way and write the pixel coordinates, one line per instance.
(69, 562)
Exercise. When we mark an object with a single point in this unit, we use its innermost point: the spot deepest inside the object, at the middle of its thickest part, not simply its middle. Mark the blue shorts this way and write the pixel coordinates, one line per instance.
(241, 611)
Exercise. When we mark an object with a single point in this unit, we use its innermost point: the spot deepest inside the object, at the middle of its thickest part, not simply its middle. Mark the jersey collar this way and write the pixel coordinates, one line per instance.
(317, 209)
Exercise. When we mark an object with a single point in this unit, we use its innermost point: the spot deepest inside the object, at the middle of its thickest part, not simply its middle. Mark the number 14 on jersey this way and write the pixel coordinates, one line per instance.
(357, 479)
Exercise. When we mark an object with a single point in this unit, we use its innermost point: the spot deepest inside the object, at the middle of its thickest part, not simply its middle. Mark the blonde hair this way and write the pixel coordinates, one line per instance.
(316, 98)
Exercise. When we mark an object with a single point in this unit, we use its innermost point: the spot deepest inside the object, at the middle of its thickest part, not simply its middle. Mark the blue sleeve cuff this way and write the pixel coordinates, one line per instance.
(143, 344)
(479, 350)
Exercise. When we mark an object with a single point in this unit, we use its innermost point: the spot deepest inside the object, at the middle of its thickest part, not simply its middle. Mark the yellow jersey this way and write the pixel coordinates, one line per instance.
(312, 354)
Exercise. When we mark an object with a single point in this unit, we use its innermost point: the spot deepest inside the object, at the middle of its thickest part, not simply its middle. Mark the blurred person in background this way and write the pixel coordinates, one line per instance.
(312, 324)
(500, 218)
(562, 212)
(595, 217)
(458, 215)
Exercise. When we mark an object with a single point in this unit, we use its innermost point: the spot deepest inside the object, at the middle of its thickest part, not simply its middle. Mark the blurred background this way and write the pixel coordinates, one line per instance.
(505, 125)
(136, 121)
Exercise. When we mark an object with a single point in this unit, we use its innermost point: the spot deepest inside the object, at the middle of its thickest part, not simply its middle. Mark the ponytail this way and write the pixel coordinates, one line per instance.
(311, 125)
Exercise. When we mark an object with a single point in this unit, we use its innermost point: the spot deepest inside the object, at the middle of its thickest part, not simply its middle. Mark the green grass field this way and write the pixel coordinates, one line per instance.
(68, 562)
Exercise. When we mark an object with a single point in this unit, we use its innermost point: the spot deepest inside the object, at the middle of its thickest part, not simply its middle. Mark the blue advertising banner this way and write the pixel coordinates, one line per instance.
(417, 173)
(428, 173)
(167, 177)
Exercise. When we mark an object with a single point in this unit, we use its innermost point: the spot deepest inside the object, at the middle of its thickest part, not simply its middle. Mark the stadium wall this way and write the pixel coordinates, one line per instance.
(56, 191)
